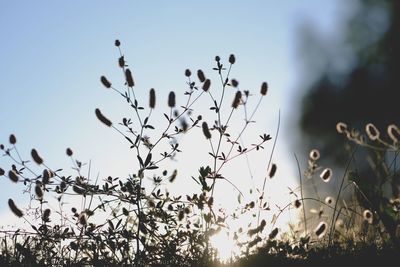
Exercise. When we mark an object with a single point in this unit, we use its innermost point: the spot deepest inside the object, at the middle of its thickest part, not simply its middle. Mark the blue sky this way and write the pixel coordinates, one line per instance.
(52, 54)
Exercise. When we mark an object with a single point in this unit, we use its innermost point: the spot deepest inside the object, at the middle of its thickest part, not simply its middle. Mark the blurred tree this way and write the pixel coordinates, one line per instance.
(358, 82)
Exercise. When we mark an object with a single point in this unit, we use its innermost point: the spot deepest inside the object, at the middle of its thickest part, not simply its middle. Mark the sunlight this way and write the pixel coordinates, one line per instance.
(225, 246)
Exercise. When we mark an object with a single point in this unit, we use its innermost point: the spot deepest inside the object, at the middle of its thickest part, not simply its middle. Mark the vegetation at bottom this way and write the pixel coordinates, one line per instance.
(75, 219)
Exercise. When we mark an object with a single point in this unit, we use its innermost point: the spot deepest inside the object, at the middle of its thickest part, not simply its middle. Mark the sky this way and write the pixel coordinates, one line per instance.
(53, 53)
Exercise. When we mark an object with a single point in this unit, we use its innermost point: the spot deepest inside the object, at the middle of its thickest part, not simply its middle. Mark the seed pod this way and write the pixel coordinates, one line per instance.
(264, 88)
(36, 157)
(129, 78)
(200, 75)
(152, 98)
(272, 171)
(13, 139)
(206, 85)
(217, 58)
(47, 174)
(101, 118)
(117, 43)
(121, 62)
(39, 191)
(13, 176)
(1, 146)
(2, 172)
(326, 175)
(14, 208)
(236, 100)
(320, 230)
(234, 83)
(372, 131)
(232, 59)
(297, 203)
(173, 176)
(171, 99)
(188, 73)
(105, 82)
(206, 130)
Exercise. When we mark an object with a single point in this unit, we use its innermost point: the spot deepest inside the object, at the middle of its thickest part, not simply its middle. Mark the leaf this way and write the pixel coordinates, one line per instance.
(148, 159)
(140, 161)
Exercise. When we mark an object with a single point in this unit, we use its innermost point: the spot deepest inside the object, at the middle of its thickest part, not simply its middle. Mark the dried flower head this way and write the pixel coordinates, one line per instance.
(200, 75)
(171, 99)
(206, 130)
(394, 133)
(13, 176)
(232, 59)
(372, 131)
(129, 78)
(341, 127)
(368, 216)
(105, 82)
(46, 215)
(69, 152)
(152, 98)
(102, 118)
(117, 43)
(13, 139)
(264, 88)
(36, 157)
(326, 174)
(236, 100)
(188, 73)
(14, 208)
(314, 154)
(320, 230)
(217, 58)
(272, 171)
(206, 85)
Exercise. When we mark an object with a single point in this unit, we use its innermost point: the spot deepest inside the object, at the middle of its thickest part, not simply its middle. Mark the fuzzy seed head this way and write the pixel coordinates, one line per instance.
(326, 175)
(372, 131)
(69, 152)
(39, 191)
(264, 88)
(105, 82)
(236, 100)
(272, 171)
(234, 83)
(82, 218)
(36, 157)
(121, 62)
(129, 78)
(152, 98)
(117, 43)
(101, 118)
(200, 75)
(206, 85)
(14, 208)
(188, 73)
(13, 139)
(314, 154)
(171, 99)
(217, 58)
(232, 59)
(341, 127)
(320, 230)
(297, 203)
(394, 133)
(13, 176)
(206, 130)
(273, 234)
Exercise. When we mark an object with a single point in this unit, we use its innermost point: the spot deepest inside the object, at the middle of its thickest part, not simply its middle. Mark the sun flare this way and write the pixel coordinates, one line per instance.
(225, 245)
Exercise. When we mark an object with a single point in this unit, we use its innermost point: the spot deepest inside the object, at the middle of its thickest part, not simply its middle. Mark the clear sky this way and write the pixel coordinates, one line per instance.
(52, 54)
